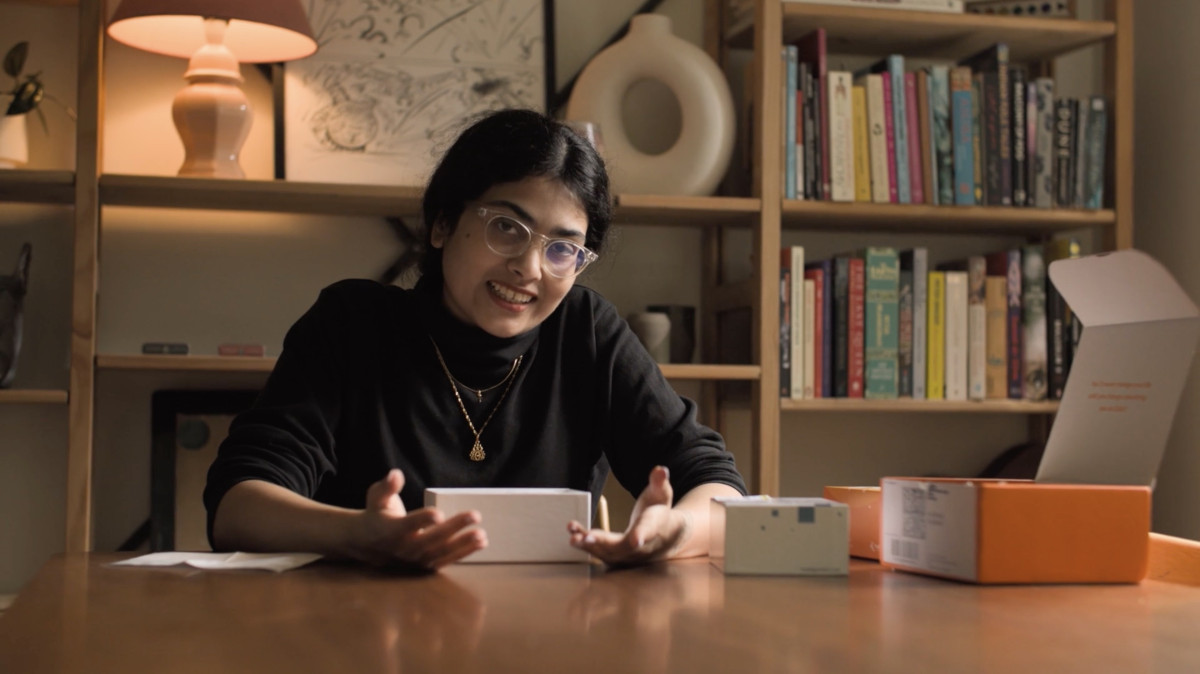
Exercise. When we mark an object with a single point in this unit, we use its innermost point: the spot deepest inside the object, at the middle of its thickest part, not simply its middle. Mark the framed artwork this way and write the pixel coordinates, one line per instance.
(393, 82)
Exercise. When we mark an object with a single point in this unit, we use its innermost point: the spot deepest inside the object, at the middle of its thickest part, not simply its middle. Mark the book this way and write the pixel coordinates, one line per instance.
(1082, 112)
(1094, 153)
(785, 323)
(996, 303)
(892, 67)
(1020, 194)
(889, 127)
(916, 174)
(1064, 152)
(1031, 122)
(1058, 321)
(916, 260)
(855, 355)
(841, 325)
(815, 272)
(1033, 316)
(1042, 184)
(791, 59)
(904, 369)
(881, 308)
(813, 51)
(992, 64)
(963, 142)
(809, 351)
(862, 146)
(935, 328)
(841, 136)
(796, 390)
(943, 139)
(928, 153)
(976, 328)
(810, 186)
(956, 345)
(946, 6)
(1007, 263)
(882, 187)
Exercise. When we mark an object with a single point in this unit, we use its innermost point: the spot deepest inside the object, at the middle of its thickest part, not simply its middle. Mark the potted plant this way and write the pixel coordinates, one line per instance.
(25, 96)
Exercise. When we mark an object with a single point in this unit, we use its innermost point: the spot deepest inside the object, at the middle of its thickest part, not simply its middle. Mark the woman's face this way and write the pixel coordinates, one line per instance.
(508, 296)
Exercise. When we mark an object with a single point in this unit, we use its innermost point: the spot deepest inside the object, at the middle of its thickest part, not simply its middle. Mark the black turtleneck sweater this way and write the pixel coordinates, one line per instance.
(358, 390)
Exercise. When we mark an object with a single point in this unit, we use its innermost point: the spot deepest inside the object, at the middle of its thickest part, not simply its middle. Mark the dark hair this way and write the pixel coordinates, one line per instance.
(508, 146)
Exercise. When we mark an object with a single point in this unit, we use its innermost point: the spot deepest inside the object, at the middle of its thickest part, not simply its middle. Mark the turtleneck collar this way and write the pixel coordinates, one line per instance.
(473, 355)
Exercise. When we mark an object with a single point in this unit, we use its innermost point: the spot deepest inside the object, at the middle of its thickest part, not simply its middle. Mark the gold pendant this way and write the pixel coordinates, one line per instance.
(477, 451)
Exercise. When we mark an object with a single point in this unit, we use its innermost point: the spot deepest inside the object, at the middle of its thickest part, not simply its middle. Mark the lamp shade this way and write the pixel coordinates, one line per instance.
(260, 31)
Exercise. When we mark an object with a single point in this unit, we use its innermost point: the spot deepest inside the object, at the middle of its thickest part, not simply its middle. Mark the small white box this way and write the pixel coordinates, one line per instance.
(760, 535)
(522, 525)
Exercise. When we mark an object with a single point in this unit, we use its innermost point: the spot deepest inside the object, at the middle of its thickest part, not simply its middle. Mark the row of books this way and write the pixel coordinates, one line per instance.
(982, 132)
(883, 323)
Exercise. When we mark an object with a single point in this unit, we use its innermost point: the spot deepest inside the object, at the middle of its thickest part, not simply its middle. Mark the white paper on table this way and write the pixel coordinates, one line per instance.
(217, 561)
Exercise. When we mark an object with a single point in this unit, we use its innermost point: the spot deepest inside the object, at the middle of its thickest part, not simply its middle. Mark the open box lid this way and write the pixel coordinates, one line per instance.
(1139, 335)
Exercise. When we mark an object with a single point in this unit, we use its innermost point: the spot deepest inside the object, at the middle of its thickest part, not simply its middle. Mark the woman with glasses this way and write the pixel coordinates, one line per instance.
(496, 370)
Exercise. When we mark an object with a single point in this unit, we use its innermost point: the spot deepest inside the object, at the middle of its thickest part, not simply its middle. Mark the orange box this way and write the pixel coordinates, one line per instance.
(864, 518)
(1016, 531)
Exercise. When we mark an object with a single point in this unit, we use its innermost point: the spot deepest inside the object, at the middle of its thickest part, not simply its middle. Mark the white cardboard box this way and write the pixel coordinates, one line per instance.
(760, 535)
(522, 525)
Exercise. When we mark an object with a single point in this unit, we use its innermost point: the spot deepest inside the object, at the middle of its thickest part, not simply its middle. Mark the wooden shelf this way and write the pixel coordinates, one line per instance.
(276, 196)
(33, 397)
(653, 209)
(916, 34)
(243, 364)
(859, 217)
(37, 187)
(908, 405)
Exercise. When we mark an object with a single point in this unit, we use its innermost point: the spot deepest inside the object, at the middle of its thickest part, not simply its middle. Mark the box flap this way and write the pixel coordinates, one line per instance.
(1128, 370)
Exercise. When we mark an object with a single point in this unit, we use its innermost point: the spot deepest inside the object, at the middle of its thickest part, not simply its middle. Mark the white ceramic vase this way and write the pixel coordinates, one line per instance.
(653, 330)
(697, 161)
(14, 141)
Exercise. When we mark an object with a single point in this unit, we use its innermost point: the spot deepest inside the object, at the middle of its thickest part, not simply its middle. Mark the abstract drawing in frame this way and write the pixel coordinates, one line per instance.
(394, 81)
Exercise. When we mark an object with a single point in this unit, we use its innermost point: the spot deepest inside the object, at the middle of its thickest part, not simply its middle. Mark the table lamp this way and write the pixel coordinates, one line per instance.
(211, 113)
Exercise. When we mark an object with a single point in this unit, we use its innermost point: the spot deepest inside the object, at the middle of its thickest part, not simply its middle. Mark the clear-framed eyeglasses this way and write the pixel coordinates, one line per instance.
(509, 237)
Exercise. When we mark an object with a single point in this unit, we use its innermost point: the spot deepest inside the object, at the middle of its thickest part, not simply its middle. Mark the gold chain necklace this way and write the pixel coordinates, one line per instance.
(477, 448)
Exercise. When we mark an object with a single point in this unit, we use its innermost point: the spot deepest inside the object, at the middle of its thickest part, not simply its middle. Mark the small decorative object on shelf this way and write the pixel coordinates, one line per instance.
(26, 95)
(697, 160)
(1038, 8)
(165, 348)
(12, 300)
(653, 330)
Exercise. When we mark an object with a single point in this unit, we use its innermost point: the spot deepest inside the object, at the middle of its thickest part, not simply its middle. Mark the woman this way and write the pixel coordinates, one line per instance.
(495, 370)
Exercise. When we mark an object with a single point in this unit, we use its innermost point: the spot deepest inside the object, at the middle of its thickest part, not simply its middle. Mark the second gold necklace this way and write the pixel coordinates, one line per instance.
(477, 453)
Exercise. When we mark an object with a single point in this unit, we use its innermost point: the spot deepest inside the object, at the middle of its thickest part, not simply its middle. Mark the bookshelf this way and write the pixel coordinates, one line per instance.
(875, 33)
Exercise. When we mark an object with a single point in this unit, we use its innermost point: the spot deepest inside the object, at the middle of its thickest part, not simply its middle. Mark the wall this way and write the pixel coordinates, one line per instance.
(1166, 157)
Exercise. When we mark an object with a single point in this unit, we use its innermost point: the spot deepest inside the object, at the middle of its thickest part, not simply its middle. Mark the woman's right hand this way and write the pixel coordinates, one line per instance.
(387, 534)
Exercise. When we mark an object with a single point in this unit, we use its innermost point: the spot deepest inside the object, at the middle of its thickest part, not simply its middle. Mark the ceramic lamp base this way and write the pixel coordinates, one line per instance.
(14, 141)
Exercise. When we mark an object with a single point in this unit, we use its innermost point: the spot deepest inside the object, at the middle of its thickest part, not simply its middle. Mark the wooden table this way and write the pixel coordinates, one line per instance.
(81, 615)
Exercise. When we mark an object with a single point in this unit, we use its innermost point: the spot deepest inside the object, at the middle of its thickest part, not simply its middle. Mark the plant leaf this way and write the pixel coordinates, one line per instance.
(26, 97)
(14, 61)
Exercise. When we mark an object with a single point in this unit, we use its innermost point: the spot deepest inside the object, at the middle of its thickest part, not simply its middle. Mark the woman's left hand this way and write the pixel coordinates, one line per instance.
(655, 531)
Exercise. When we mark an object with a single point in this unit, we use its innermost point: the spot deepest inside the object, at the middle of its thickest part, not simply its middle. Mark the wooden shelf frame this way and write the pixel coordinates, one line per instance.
(37, 187)
(33, 397)
(923, 218)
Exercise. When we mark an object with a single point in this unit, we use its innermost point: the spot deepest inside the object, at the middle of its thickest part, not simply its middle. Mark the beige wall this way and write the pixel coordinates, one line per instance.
(205, 279)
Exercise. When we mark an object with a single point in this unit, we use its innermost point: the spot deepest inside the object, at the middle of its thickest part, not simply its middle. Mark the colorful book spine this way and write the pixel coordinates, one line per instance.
(1058, 321)
(894, 68)
(841, 325)
(913, 135)
(791, 58)
(992, 63)
(862, 147)
(813, 51)
(956, 335)
(1031, 122)
(810, 132)
(977, 144)
(1082, 113)
(1033, 303)
(785, 323)
(810, 336)
(815, 272)
(935, 357)
(976, 328)
(890, 133)
(1094, 153)
(1043, 158)
(825, 306)
(1064, 152)
(996, 303)
(904, 370)
(963, 136)
(798, 313)
(943, 139)
(1007, 263)
(881, 183)
(928, 153)
(841, 136)
(857, 327)
(917, 260)
(1019, 160)
(882, 319)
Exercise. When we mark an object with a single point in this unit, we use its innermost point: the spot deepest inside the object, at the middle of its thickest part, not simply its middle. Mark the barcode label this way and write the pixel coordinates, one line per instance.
(903, 549)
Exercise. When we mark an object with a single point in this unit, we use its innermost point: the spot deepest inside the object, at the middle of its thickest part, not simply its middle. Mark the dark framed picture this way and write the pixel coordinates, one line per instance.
(392, 83)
